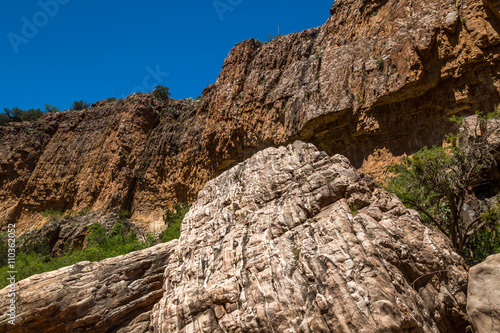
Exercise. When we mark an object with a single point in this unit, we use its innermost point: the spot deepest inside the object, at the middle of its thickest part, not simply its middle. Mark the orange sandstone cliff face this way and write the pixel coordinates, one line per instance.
(378, 80)
(122, 155)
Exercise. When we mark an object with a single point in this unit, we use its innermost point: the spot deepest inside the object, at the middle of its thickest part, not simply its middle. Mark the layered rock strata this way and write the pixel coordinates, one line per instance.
(289, 240)
(378, 80)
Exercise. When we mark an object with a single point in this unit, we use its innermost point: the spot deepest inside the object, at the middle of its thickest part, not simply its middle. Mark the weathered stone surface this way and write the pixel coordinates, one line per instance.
(292, 240)
(101, 159)
(483, 297)
(113, 295)
(377, 76)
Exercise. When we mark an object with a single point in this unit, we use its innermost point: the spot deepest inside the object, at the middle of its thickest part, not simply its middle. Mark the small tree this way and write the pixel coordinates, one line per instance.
(123, 214)
(161, 93)
(50, 108)
(438, 182)
(4, 119)
(14, 114)
(80, 105)
(31, 115)
(17, 115)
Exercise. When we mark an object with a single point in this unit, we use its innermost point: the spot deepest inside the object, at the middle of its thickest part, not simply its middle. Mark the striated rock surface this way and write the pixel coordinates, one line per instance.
(292, 240)
(119, 155)
(113, 295)
(378, 75)
(483, 299)
(379, 79)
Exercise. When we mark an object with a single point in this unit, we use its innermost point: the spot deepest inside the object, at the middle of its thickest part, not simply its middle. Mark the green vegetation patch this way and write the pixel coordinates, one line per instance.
(53, 214)
(80, 105)
(173, 220)
(161, 93)
(17, 115)
(439, 183)
(36, 259)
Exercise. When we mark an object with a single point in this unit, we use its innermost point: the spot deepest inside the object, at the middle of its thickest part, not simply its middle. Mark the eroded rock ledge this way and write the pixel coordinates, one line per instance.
(292, 240)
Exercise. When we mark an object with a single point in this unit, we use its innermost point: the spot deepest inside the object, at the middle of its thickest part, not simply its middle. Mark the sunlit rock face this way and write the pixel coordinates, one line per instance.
(378, 80)
(289, 240)
(292, 240)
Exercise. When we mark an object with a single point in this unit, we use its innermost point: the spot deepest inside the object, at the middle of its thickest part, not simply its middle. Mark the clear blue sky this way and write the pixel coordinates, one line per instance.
(69, 50)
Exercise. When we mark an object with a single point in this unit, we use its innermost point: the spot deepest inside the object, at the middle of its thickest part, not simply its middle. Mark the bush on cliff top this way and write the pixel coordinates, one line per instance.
(161, 93)
(80, 105)
(17, 115)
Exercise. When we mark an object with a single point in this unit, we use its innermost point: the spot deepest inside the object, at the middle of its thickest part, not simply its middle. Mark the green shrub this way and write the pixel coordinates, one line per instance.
(42, 248)
(50, 108)
(486, 241)
(131, 236)
(4, 119)
(123, 214)
(173, 220)
(31, 115)
(17, 115)
(438, 182)
(97, 235)
(150, 240)
(161, 93)
(36, 259)
(80, 105)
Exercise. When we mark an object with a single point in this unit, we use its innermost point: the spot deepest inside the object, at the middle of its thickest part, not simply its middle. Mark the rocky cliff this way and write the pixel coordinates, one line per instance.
(118, 155)
(378, 80)
(291, 240)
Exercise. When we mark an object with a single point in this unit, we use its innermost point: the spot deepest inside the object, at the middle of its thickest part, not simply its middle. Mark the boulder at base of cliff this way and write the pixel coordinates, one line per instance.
(483, 300)
(292, 240)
